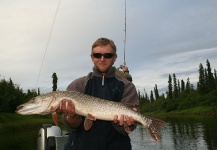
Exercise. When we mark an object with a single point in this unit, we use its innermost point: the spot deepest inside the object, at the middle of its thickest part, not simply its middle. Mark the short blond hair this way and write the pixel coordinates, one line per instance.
(104, 42)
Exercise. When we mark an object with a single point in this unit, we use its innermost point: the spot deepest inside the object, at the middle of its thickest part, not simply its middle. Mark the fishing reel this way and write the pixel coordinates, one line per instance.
(124, 68)
(121, 66)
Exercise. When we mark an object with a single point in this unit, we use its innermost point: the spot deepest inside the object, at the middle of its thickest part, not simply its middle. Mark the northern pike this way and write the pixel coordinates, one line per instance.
(88, 105)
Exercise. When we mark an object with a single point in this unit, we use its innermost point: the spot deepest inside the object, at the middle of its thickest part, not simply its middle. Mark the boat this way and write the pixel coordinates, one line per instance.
(51, 137)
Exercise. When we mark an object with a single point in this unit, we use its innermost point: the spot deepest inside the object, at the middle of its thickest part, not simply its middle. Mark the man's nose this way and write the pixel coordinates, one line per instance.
(102, 58)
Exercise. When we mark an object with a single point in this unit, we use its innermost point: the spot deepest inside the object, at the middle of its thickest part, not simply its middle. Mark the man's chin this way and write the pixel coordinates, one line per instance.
(103, 70)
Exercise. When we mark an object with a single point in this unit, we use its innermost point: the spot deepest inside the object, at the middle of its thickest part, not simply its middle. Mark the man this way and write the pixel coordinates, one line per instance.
(104, 83)
(124, 72)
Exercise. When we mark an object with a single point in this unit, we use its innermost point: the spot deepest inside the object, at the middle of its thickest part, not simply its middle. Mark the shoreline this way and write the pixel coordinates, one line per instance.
(197, 111)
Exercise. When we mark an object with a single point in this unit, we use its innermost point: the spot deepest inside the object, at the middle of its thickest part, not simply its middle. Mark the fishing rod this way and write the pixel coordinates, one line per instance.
(125, 35)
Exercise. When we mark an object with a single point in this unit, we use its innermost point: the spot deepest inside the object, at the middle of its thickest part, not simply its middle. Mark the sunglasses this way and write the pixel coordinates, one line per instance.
(99, 55)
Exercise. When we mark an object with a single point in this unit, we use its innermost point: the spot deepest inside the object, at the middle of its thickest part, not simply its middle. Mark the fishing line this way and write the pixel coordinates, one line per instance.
(49, 37)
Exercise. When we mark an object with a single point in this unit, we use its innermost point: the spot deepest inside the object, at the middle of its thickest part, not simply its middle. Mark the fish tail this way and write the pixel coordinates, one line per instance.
(154, 127)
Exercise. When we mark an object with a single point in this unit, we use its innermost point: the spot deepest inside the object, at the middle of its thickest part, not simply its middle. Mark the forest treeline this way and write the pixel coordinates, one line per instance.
(11, 95)
(180, 94)
(183, 95)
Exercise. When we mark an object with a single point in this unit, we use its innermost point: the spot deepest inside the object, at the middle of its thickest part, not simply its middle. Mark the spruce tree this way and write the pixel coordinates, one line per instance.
(146, 95)
(188, 85)
(206, 80)
(215, 74)
(201, 84)
(151, 96)
(210, 78)
(156, 92)
(215, 77)
(39, 91)
(139, 94)
(175, 86)
(54, 76)
(182, 85)
(170, 88)
(179, 88)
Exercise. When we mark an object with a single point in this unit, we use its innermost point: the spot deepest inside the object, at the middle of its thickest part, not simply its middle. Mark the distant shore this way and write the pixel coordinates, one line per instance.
(10, 122)
(202, 110)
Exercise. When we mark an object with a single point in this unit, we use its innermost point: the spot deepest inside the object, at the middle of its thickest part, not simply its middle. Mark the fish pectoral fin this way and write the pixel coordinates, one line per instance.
(54, 108)
(55, 118)
(127, 128)
(90, 117)
(88, 122)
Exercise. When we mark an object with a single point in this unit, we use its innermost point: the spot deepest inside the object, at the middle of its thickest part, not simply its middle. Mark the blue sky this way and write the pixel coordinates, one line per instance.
(163, 37)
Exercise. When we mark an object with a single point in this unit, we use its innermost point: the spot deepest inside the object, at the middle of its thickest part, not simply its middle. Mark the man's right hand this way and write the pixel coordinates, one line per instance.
(68, 109)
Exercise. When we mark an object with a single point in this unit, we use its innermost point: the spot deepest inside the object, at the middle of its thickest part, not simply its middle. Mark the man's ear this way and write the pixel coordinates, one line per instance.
(91, 56)
(115, 57)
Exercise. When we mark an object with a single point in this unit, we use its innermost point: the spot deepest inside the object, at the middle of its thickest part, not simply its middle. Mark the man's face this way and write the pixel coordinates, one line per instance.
(102, 63)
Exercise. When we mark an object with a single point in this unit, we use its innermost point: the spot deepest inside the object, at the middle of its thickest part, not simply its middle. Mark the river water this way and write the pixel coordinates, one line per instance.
(180, 133)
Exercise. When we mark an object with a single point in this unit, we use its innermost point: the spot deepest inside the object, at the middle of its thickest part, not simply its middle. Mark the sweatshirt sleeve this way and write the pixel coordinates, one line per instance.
(77, 85)
(130, 94)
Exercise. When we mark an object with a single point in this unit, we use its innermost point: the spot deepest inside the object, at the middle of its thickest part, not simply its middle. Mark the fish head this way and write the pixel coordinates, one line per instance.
(38, 105)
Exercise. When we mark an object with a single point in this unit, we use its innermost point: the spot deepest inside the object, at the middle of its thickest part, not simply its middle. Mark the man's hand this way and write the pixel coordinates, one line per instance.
(68, 109)
(124, 68)
(125, 121)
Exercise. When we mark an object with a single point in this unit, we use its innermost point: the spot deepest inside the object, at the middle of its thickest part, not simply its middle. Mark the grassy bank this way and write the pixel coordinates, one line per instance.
(20, 132)
(11, 122)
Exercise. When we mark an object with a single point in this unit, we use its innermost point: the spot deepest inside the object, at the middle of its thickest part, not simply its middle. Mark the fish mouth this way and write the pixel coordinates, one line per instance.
(19, 107)
(29, 109)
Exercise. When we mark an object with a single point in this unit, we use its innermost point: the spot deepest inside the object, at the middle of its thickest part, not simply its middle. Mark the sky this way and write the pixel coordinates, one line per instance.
(38, 38)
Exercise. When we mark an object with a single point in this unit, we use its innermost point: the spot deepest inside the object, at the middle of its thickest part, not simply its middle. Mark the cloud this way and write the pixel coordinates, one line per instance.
(163, 37)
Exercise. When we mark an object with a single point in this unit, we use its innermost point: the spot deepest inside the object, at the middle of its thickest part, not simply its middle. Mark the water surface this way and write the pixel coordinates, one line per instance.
(181, 133)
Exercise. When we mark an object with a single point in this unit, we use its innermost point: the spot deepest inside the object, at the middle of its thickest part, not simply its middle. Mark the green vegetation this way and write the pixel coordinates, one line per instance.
(12, 122)
(11, 95)
(180, 95)
(55, 79)
(183, 98)
(20, 132)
